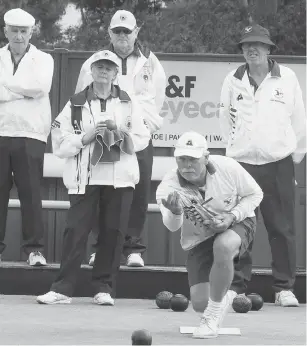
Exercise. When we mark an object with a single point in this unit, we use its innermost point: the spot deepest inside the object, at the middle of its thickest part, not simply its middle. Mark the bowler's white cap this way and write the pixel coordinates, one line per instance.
(105, 55)
(123, 19)
(191, 144)
(19, 17)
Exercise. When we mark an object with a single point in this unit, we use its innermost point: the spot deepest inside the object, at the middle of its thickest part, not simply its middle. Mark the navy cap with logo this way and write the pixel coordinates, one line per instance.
(256, 33)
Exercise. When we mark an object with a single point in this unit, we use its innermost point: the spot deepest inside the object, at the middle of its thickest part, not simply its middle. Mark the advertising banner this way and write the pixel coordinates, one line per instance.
(192, 99)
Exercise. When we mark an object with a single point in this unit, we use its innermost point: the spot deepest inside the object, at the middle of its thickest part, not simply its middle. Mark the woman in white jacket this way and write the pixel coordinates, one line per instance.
(97, 133)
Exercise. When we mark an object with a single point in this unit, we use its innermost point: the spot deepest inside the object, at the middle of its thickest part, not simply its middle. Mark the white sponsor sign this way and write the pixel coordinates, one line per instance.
(192, 99)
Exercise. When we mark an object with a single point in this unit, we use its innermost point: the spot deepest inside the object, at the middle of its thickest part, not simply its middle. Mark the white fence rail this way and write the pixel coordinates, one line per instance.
(64, 205)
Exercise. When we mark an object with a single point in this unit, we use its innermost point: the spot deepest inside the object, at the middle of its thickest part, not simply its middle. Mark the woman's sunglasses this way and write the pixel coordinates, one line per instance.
(117, 31)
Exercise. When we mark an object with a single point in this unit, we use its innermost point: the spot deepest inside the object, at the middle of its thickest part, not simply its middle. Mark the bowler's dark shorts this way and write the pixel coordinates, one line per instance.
(200, 258)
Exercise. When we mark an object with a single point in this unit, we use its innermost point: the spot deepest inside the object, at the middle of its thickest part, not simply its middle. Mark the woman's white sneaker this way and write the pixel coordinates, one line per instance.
(135, 260)
(286, 299)
(53, 298)
(103, 299)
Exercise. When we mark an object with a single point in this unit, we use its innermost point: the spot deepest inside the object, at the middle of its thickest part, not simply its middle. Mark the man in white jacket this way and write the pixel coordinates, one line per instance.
(97, 133)
(25, 118)
(213, 199)
(263, 122)
(141, 75)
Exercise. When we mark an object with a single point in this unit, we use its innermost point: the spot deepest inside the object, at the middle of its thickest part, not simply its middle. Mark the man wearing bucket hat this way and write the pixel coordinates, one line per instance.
(141, 74)
(263, 121)
(25, 117)
(97, 132)
(204, 195)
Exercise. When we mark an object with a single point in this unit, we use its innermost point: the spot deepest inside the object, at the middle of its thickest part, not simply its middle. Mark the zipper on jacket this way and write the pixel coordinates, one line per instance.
(79, 159)
(89, 152)
(78, 172)
(89, 166)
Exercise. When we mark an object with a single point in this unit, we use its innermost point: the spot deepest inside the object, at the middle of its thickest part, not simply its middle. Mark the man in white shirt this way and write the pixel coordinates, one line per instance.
(25, 118)
(141, 75)
(263, 122)
(217, 199)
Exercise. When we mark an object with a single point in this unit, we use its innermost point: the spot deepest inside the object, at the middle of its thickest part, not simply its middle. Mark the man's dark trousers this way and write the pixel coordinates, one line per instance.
(140, 202)
(114, 206)
(24, 157)
(277, 182)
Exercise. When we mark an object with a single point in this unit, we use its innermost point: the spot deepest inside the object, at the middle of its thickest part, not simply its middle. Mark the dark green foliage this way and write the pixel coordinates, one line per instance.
(46, 13)
(170, 26)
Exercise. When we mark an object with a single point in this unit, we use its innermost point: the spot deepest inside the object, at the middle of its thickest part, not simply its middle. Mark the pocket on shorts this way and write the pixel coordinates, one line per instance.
(249, 225)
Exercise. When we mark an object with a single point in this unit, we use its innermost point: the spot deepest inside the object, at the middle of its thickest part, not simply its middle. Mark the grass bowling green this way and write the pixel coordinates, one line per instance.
(24, 322)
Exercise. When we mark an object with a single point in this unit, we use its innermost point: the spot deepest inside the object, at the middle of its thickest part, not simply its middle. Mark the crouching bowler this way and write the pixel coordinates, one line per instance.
(212, 199)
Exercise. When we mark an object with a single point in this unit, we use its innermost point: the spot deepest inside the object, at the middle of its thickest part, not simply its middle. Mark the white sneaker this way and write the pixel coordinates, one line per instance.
(53, 298)
(208, 328)
(92, 260)
(227, 303)
(286, 298)
(103, 299)
(135, 260)
(36, 259)
(210, 324)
